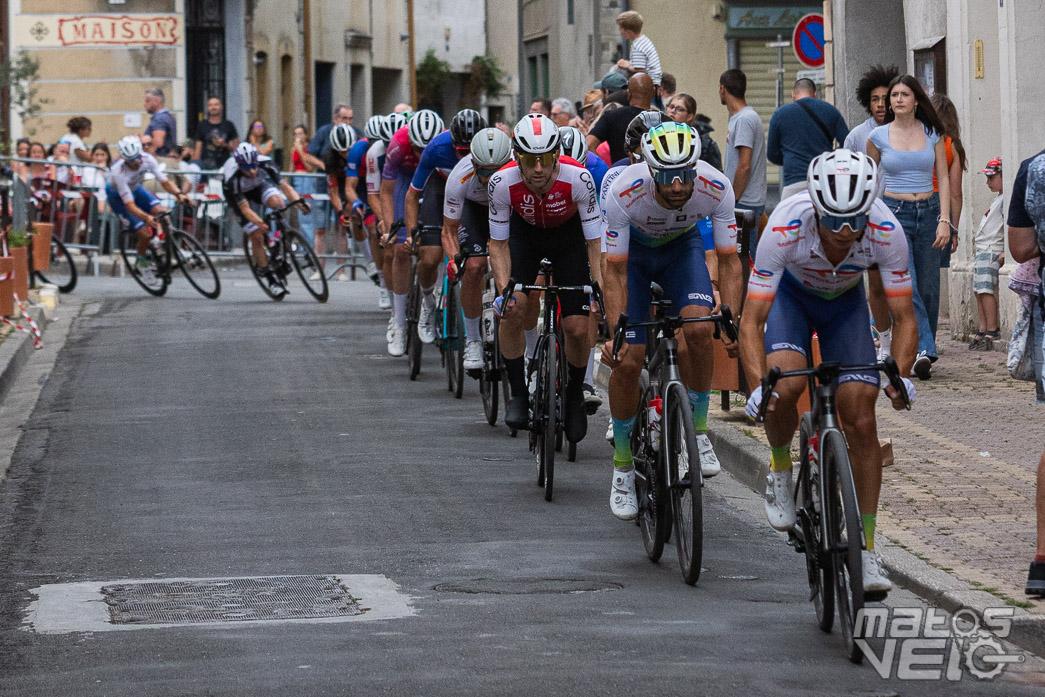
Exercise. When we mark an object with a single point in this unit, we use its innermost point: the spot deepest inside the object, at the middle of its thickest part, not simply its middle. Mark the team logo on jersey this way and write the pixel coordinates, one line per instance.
(627, 193)
(789, 230)
(884, 229)
(612, 234)
(712, 184)
(762, 275)
(467, 176)
(903, 275)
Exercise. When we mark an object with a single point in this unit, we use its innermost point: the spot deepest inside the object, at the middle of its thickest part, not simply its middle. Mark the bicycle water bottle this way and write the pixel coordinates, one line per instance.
(656, 406)
(488, 316)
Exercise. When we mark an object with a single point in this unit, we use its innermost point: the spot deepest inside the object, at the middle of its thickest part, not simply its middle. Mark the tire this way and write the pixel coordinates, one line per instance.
(490, 381)
(61, 271)
(196, 265)
(819, 566)
(306, 263)
(256, 272)
(844, 536)
(571, 451)
(546, 422)
(154, 284)
(505, 385)
(649, 487)
(413, 340)
(687, 504)
(453, 342)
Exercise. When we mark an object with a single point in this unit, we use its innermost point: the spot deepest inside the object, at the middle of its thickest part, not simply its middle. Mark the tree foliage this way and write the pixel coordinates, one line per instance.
(433, 75)
(18, 75)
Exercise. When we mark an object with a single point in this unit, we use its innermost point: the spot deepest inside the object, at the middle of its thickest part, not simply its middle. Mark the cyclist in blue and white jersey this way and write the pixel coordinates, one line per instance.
(135, 205)
(360, 218)
(652, 212)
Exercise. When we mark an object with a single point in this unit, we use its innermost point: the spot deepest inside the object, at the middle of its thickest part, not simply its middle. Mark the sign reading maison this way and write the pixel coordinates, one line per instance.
(123, 30)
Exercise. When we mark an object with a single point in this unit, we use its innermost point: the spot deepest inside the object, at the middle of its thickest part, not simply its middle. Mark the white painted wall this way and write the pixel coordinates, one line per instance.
(454, 29)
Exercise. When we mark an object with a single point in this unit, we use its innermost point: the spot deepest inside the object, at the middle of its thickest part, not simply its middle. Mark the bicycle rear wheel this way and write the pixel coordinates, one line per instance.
(149, 278)
(255, 270)
(413, 340)
(687, 503)
(193, 261)
(649, 485)
(453, 341)
(545, 415)
(61, 270)
(306, 263)
(819, 566)
(845, 537)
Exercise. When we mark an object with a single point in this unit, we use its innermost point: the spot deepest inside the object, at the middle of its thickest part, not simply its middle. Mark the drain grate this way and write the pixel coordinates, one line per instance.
(202, 601)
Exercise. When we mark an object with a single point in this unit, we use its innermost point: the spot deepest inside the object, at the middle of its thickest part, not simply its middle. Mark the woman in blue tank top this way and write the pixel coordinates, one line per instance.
(909, 148)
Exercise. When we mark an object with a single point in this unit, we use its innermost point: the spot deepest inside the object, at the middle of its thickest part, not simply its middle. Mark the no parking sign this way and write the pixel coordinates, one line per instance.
(808, 41)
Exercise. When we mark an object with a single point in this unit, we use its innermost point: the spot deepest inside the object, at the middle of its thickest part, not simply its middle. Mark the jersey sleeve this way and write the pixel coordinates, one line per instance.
(373, 173)
(425, 167)
(771, 257)
(156, 170)
(617, 236)
(588, 205)
(355, 159)
(890, 251)
(453, 196)
(724, 221)
(598, 170)
(393, 160)
(500, 206)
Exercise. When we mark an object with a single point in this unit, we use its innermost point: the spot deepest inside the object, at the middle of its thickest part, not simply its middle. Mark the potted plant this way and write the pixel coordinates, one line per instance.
(42, 245)
(7, 284)
(17, 244)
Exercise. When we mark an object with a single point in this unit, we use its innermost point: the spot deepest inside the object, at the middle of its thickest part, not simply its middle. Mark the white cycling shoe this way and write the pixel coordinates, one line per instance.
(384, 300)
(426, 323)
(709, 464)
(397, 344)
(875, 578)
(780, 501)
(390, 329)
(473, 355)
(623, 502)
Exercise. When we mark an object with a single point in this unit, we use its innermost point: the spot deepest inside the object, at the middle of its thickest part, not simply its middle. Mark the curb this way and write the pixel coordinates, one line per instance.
(16, 349)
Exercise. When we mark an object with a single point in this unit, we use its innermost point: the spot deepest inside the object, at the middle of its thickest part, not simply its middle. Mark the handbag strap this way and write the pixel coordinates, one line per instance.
(826, 131)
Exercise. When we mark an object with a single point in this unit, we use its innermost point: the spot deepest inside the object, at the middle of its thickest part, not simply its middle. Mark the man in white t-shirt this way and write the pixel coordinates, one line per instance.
(745, 149)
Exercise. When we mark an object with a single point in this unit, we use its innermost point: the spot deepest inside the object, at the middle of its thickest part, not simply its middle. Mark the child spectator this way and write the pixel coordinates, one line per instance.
(990, 246)
(644, 57)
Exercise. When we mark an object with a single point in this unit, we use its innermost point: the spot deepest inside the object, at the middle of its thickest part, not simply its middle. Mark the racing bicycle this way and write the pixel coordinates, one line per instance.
(287, 250)
(168, 248)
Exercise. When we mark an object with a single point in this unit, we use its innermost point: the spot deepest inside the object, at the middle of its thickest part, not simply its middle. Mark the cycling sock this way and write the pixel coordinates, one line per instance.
(531, 340)
(574, 380)
(471, 329)
(780, 458)
(589, 374)
(699, 402)
(516, 375)
(381, 279)
(399, 309)
(869, 523)
(622, 442)
(428, 295)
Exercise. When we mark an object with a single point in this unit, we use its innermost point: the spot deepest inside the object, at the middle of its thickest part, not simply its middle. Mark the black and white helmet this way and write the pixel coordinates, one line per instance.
(640, 126)
(536, 134)
(342, 137)
(842, 182)
(423, 127)
(372, 131)
(391, 124)
(491, 147)
(464, 126)
(573, 143)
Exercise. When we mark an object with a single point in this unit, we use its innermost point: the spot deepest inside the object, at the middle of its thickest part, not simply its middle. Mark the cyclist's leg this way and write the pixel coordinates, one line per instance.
(400, 277)
(430, 218)
(473, 236)
(526, 254)
(145, 200)
(320, 217)
(624, 380)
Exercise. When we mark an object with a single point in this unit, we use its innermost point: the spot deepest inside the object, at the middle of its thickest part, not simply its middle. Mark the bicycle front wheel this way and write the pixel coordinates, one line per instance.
(413, 340)
(819, 566)
(844, 536)
(61, 270)
(194, 262)
(545, 415)
(148, 277)
(453, 341)
(306, 263)
(259, 275)
(649, 485)
(684, 482)
(489, 383)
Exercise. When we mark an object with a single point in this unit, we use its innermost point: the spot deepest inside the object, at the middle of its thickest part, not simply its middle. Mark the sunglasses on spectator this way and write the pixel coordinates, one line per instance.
(547, 159)
(667, 177)
(835, 223)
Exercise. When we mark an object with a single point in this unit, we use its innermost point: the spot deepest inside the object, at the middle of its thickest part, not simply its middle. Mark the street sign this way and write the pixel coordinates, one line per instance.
(817, 76)
(808, 40)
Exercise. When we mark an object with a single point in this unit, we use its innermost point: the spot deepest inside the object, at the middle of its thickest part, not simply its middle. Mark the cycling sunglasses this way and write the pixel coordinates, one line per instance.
(667, 177)
(486, 171)
(530, 160)
(835, 223)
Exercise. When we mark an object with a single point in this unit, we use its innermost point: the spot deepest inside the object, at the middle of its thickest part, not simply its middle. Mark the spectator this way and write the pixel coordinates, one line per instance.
(682, 108)
(37, 170)
(908, 149)
(956, 165)
(62, 173)
(562, 112)
(612, 125)
(990, 247)
(321, 141)
(644, 57)
(591, 107)
(614, 88)
(162, 126)
(93, 178)
(800, 131)
(873, 94)
(1026, 242)
(216, 137)
(260, 138)
(21, 169)
(666, 89)
(541, 106)
(79, 129)
(746, 148)
(303, 162)
(1025, 281)
(192, 178)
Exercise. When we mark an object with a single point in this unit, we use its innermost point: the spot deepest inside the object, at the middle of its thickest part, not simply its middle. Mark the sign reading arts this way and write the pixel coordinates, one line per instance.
(99, 30)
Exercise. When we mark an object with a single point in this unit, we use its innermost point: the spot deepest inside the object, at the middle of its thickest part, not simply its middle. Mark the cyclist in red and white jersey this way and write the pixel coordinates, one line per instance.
(543, 206)
(375, 163)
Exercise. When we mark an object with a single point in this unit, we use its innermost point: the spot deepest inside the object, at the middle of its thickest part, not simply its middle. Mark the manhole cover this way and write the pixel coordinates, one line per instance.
(527, 586)
(229, 600)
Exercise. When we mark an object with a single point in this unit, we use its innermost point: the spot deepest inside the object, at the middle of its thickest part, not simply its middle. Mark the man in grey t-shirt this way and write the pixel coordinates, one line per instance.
(745, 149)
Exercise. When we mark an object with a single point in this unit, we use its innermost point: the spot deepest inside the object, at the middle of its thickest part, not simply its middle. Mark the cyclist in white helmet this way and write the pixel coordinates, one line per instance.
(335, 164)
(811, 263)
(652, 211)
(357, 215)
(375, 162)
(135, 205)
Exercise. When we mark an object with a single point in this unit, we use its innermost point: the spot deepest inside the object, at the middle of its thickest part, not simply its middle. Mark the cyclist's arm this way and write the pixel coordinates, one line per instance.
(615, 290)
(752, 338)
(250, 215)
(450, 244)
(724, 226)
(413, 206)
(500, 212)
(172, 189)
(388, 187)
(335, 196)
(289, 191)
(501, 261)
(891, 255)
(350, 191)
(138, 213)
(905, 331)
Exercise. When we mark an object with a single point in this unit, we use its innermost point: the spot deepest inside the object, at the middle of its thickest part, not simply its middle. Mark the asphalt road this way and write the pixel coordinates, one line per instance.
(186, 438)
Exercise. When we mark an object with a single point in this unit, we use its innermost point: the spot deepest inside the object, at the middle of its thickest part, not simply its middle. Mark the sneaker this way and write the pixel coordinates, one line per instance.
(923, 366)
(1036, 579)
(517, 413)
(473, 355)
(609, 432)
(397, 344)
(371, 271)
(780, 502)
(623, 502)
(709, 464)
(342, 276)
(384, 300)
(592, 398)
(315, 276)
(426, 323)
(391, 328)
(875, 578)
(576, 418)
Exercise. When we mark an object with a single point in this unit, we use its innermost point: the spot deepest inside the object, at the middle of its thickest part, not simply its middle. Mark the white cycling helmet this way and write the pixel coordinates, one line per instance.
(670, 146)
(342, 137)
(491, 147)
(842, 183)
(129, 147)
(423, 127)
(536, 134)
(372, 131)
(573, 143)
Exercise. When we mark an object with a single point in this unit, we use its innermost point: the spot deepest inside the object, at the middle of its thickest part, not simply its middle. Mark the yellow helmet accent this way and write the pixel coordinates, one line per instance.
(671, 146)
